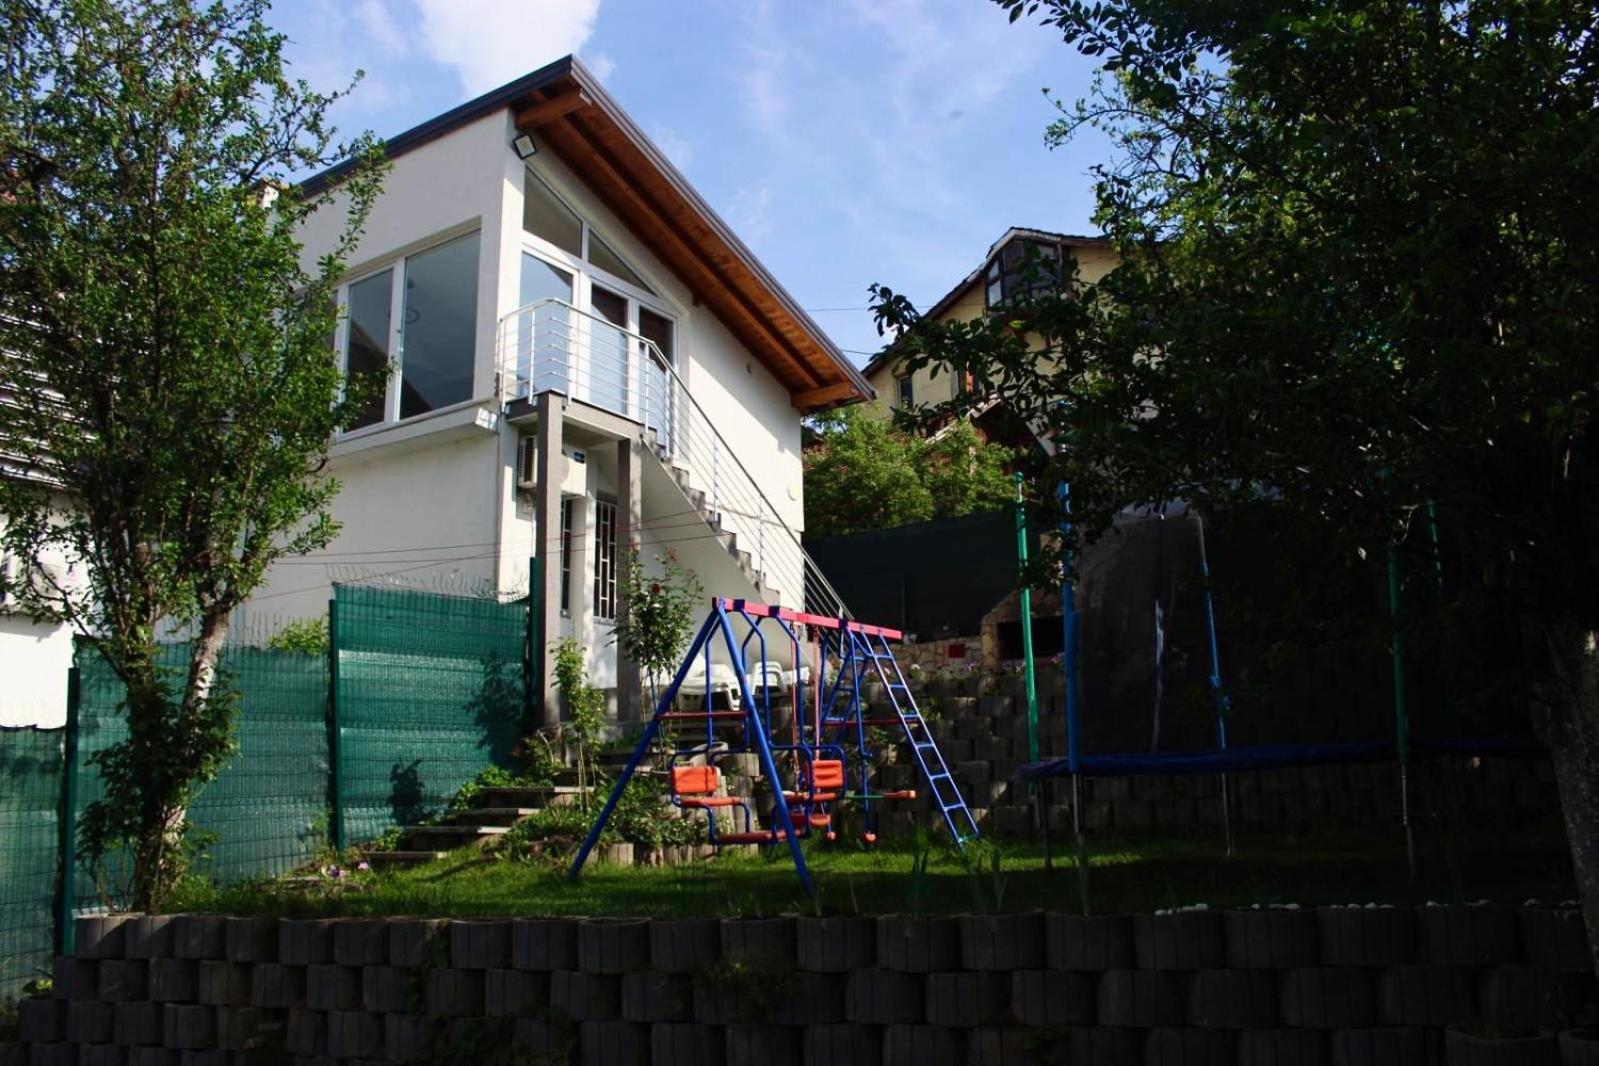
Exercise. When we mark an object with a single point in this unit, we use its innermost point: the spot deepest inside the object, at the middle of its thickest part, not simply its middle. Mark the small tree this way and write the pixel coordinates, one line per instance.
(660, 616)
(169, 387)
(584, 707)
(863, 472)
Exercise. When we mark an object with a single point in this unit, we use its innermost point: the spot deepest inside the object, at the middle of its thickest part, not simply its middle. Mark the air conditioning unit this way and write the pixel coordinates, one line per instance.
(576, 480)
(527, 463)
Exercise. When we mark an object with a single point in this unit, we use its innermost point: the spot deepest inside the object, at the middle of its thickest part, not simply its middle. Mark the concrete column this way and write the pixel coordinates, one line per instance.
(547, 519)
(629, 523)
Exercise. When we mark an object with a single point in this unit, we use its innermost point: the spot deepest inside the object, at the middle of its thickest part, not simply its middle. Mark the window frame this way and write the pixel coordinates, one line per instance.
(587, 273)
(395, 350)
(1008, 279)
(607, 556)
(904, 391)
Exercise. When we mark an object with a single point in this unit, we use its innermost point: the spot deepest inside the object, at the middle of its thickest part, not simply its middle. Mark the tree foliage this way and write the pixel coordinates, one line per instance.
(659, 615)
(169, 382)
(863, 472)
(1359, 280)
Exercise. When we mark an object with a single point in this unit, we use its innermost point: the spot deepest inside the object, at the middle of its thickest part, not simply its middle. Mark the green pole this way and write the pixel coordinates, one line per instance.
(335, 748)
(531, 666)
(1401, 712)
(1027, 629)
(65, 929)
(537, 642)
(1397, 652)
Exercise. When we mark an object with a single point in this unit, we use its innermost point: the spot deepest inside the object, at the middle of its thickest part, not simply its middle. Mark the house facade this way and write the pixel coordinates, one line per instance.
(584, 358)
(999, 278)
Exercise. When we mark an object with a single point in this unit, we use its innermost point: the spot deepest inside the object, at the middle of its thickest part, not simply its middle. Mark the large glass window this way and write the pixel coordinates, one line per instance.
(610, 350)
(366, 351)
(604, 257)
(544, 215)
(439, 327)
(544, 343)
(1023, 269)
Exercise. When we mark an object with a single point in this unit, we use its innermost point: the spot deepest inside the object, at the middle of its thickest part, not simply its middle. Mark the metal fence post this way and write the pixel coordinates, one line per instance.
(533, 660)
(335, 771)
(67, 822)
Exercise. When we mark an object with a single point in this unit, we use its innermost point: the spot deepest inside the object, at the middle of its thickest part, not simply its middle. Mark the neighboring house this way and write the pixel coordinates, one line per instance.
(997, 280)
(585, 356)
(34, 656)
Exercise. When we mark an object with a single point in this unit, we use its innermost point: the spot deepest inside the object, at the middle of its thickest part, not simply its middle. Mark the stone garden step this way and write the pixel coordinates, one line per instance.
(451, 836)
(535, 797)
(492, 816)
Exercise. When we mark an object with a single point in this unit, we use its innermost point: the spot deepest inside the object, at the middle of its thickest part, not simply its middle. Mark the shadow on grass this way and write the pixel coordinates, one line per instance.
(1125, 875)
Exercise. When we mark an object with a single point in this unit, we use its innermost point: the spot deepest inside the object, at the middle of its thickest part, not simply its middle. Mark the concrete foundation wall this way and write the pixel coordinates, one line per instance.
(1306, 987)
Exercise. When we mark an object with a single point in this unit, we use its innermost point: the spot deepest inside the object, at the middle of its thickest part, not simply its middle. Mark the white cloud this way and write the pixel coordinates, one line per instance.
(678, 148)
(750, 213)
(490, 42)
(601, 65)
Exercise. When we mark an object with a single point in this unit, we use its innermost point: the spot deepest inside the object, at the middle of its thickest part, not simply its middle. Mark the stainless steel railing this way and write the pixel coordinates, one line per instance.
(551, 346)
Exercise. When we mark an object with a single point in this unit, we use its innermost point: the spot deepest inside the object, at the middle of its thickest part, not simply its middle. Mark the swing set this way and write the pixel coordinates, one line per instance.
(824, 761)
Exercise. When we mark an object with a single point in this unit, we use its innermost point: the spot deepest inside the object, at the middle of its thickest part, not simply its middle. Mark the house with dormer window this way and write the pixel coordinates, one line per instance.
(1016, 266)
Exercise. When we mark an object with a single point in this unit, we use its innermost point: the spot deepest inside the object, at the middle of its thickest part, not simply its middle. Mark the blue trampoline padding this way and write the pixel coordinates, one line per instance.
(1268, 756)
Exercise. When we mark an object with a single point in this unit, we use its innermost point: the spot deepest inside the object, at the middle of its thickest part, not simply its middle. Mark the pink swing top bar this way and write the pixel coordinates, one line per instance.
(821, 621)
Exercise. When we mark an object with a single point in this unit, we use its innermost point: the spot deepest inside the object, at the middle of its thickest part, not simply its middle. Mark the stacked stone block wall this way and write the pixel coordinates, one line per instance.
(1314, 987)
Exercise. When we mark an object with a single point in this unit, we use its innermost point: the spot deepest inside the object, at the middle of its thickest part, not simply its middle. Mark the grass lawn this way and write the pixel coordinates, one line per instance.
(1125, 875)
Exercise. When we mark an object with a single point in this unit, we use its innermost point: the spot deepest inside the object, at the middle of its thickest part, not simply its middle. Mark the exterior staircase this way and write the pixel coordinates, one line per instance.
(718, 523)
(547, 347)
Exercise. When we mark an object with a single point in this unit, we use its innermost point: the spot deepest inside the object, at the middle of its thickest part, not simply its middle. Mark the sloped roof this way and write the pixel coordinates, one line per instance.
(569, 112)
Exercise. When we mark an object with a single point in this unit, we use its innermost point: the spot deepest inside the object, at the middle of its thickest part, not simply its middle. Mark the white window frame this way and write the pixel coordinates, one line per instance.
(396, 346)
(586, 273)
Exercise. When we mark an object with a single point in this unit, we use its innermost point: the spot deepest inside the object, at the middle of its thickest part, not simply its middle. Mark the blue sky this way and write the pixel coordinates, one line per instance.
(846, 141)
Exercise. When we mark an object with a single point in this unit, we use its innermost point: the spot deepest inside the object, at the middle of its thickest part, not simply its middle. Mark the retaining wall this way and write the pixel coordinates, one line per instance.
(1346, 986)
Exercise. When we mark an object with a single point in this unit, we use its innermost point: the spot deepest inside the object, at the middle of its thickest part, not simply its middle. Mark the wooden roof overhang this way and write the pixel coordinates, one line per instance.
(566, 110)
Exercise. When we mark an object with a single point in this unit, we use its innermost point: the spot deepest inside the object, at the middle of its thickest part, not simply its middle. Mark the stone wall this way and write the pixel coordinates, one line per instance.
(1348, 986)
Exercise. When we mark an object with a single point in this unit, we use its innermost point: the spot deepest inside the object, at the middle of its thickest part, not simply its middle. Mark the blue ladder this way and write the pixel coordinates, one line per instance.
(946, 793)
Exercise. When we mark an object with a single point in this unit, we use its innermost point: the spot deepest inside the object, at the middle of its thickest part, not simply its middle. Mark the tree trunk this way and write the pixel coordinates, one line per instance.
(158, 853)
(1568, 722)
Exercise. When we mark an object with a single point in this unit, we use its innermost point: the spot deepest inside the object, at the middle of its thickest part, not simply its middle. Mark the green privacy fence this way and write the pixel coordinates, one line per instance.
(428, 690)
(266, 812)
(30, 805)
(419, 691)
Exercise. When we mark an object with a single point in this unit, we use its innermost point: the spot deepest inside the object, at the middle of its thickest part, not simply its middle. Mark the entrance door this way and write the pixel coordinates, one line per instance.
(545, 343)
(660, 411)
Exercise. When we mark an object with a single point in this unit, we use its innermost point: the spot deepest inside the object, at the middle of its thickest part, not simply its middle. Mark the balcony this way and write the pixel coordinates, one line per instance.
(551, 346)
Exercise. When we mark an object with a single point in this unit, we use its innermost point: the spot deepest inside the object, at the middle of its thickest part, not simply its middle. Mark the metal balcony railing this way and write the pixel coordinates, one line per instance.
(551, 346)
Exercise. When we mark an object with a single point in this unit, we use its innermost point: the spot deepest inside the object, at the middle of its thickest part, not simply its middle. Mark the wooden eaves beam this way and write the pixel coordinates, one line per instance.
(594, 153)
(825, 394)
(556, 107)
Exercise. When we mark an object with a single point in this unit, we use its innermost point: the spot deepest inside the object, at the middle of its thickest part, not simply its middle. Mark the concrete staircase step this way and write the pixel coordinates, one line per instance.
(535, 797)
(449, 837)
(492, 816)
